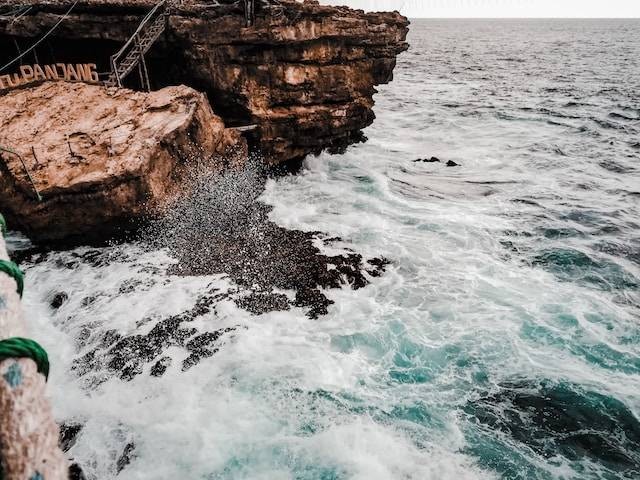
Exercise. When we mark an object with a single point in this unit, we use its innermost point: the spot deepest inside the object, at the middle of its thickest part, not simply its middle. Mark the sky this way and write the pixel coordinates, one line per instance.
(502, 8)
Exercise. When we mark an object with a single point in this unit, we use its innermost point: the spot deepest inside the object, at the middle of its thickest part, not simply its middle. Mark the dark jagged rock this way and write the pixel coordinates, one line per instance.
(451, 163)
(201, 346)
(126, 457)
(58, 300)
(160, 367)
(259, 303)
(126, 356)
(304, 73)
(68, 435)
(428, 160)
(69, 432)
(76, 473)
(378, 265)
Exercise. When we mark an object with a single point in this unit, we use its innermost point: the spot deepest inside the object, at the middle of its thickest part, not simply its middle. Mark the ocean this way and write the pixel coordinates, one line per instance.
(503, 340)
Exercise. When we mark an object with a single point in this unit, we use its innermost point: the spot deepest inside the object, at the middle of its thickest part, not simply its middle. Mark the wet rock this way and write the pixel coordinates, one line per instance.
(68, 435)
(58, 300)
(138, 149)
(428, 160)
(562, 419)
(201, 347)
(69, 432)
(259, 303)
(126, 457)
(379, 266)
(451, 163)
(160, 367)
(127, 356)
(313, 298)
(76, 473)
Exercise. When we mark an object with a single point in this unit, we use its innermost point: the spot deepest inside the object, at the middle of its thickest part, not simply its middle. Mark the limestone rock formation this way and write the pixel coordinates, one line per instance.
(304, 73)
(101, 158)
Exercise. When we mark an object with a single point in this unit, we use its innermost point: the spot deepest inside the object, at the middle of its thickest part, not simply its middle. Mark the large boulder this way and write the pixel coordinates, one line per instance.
(103, 158)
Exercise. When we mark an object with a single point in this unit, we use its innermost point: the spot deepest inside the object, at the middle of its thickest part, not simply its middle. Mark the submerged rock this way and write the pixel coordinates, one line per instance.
(128, 355)
(76, 473)
(69, 432)
(58, 299)
(562, 419)
(128, 454)
(102, 163)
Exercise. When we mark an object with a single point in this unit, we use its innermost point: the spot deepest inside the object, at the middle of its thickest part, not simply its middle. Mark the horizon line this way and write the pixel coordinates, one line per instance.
(520, 18)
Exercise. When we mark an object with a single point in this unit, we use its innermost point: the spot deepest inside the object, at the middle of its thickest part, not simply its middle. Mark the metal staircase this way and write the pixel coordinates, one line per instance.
(132, 53)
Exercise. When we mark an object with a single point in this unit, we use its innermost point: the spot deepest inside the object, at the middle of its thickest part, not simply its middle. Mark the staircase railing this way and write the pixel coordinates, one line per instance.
(131, 53)
(16, 12)
(26, 170)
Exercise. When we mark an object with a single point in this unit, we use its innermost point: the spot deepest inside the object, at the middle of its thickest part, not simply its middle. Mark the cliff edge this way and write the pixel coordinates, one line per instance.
(303, 73)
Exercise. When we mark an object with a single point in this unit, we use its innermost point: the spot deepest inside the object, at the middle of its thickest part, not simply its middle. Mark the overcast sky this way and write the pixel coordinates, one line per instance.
(501, 8)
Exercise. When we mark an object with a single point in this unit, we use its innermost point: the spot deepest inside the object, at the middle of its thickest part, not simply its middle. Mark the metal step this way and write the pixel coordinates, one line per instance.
(150, 29)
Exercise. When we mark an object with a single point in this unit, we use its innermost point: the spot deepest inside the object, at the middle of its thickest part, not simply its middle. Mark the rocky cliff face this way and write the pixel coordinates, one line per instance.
(304, 73)
(102, 158)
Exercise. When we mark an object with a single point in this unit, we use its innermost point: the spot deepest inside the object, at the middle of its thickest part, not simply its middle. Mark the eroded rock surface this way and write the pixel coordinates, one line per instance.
(102, 158)
(304, 73)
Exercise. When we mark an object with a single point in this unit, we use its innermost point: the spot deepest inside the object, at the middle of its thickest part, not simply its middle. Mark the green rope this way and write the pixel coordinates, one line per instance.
(3, 225)
(24, 348)
(14, 272)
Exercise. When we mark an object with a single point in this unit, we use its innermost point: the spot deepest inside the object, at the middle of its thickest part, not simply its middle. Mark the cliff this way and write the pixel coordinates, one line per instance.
(102, 158)
(304, 73)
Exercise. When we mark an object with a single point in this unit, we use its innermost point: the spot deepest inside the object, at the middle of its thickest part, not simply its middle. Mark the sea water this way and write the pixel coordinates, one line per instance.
(502, 342)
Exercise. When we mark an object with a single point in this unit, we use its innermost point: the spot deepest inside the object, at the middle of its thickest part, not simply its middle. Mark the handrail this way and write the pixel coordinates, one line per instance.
(115, 57)
(21, 14)
(26, 170)
(16, 11)
(32, 47)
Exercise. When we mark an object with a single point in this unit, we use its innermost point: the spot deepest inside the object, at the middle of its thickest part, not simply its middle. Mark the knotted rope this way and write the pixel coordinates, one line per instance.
(29, 436)
(14, 272)
(18, 347)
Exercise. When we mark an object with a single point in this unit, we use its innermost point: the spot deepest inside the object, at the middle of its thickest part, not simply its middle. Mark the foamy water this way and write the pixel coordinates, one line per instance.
(504, 339)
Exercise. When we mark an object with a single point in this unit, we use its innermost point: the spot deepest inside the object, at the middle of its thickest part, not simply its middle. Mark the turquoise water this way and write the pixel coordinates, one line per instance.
(504, 339)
